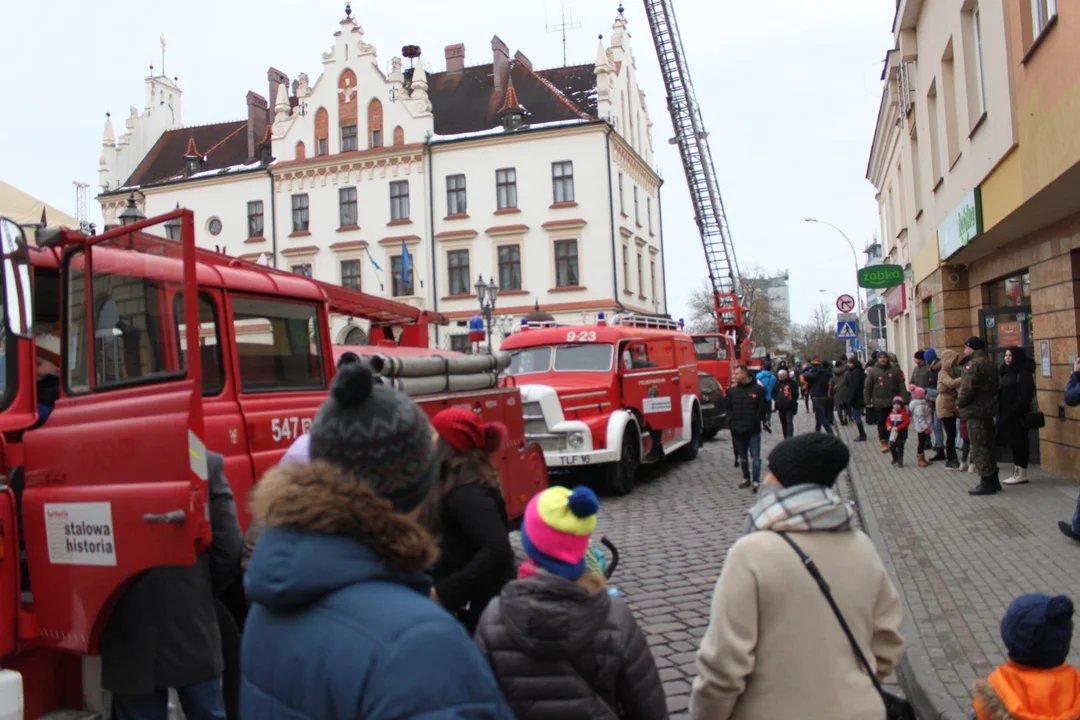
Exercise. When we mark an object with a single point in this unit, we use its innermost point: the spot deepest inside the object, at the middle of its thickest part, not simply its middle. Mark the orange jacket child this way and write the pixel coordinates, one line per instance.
(1035, 684)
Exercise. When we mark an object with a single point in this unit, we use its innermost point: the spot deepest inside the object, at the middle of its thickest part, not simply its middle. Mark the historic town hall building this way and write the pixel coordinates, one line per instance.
(411, 184)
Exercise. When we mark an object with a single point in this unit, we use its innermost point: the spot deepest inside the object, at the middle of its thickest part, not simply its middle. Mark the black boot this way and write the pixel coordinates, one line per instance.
(987, 486)
(862, 434)
(951, 463)
(939, 455)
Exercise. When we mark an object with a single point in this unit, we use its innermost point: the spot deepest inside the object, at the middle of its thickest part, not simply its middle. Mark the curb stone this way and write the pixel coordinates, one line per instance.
(922, 687)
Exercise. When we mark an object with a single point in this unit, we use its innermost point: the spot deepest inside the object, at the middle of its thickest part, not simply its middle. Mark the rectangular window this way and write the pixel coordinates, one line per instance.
(916, 173)
(300, 213)
(398, 288)
(455, 195)
(648, 209)
(347, 207)
(641, 274)
(652, 277)
(376, 138)
(622, 200)
(457, 263)
(1042, 12)
(399, 200)
(302, 269)
(948, 87)
(562, 180)
(209, 344)
(321, 147)
(278, 345)
(566, 263)
(637, 210)
(626, 266)
(973, 66)
(350, 274)
(935, 134)
(255, 218)
(510, 267)
(506, 188)
(348, 138)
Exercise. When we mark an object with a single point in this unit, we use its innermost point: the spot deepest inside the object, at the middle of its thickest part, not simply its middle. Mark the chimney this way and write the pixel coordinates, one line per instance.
(500, 63)
(455, 58)
(276, 78)
(257, 120)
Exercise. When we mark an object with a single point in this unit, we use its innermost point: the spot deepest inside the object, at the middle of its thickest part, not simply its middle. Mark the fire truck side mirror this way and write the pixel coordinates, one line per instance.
(17, 288)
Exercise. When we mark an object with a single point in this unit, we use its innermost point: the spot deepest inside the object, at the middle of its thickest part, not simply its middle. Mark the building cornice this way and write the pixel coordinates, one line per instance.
(627, 158)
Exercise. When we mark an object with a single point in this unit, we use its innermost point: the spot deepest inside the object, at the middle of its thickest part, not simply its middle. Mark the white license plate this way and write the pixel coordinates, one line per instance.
(575, 460)
(707, 406)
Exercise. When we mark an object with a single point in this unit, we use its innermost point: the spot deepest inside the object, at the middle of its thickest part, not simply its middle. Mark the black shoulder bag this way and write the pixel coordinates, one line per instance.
(896, 708)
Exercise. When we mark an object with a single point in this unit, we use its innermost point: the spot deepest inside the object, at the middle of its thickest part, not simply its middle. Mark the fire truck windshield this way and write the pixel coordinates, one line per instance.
(567, 358)
(710, 348)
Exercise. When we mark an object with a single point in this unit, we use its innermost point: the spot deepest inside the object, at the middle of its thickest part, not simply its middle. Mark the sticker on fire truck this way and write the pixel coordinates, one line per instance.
(80, 533)
(656, 405)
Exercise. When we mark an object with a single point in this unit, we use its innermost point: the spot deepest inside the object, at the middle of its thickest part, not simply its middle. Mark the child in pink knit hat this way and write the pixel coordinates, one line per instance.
(551, 634)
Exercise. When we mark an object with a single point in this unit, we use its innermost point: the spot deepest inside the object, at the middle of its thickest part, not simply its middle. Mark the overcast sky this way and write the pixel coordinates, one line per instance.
(789, 92)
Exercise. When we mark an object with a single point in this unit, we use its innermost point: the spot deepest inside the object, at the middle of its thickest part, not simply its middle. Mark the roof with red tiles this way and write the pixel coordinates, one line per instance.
(226, 143)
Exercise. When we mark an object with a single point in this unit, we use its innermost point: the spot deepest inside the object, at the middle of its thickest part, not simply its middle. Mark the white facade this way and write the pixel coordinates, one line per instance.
(356, 222)
(161, 112)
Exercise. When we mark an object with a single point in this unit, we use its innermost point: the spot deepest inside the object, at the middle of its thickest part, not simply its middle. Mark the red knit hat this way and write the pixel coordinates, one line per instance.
(464, 430)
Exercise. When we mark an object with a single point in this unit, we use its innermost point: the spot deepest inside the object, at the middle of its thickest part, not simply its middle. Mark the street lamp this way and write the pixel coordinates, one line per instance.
(487, 293)
(131, 213)
(858, 294)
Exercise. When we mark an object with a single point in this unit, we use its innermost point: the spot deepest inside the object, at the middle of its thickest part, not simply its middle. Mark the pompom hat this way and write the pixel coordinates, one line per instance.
(464, 430)
(1037, 630)
(379, 435)
(555, 533)
(917, 392)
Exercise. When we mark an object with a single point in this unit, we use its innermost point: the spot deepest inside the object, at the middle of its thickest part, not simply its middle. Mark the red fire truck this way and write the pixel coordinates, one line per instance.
(609, 395)
(115, 481)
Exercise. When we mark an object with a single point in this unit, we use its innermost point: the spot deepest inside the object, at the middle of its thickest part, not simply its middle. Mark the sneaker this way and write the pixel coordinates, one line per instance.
(952, 465)
(745, 484)
(964, 467)
(1019, 477)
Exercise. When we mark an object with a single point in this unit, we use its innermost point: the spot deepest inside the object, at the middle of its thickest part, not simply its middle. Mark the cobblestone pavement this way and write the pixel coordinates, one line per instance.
(673, 533)
(958, 561)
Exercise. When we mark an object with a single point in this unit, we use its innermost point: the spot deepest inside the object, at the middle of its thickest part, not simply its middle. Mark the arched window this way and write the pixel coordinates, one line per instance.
(374, 122)
(322, 132)
(301, 151)
(356, 336)
(347, 113)
(399, 136)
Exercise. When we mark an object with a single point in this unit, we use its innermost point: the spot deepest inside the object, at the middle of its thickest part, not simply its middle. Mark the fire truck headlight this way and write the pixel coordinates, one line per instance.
(575, 440)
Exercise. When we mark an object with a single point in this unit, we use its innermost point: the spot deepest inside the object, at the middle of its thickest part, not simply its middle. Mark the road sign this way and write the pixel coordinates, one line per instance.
(845, 303)
(877, 315)
(847, 317)
(845, 330)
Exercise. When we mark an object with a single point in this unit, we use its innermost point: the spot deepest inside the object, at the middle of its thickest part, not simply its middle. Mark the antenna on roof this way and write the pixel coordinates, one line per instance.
(563, 27)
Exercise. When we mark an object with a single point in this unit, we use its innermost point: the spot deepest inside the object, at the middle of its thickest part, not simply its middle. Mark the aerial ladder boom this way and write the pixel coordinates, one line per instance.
(693, 142)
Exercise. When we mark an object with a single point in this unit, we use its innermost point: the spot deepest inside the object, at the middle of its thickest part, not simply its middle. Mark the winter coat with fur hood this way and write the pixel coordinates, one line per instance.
(948, 384)
(569, 651)
(1016, 692)
(341, 625)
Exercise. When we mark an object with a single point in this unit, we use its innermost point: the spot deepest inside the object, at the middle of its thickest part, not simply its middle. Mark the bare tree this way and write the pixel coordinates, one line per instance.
(817, 339)
(768, 323)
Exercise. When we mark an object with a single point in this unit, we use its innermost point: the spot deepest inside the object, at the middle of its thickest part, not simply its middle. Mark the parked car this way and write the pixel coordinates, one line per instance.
(713, 409)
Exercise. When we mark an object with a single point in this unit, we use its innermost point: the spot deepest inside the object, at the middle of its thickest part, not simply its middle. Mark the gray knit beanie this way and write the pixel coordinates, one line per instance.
(379, 435)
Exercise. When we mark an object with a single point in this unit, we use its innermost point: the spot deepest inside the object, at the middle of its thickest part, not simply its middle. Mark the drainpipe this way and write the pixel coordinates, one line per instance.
(660, 214)
(431, 234)
(611, 213)
(273, 218)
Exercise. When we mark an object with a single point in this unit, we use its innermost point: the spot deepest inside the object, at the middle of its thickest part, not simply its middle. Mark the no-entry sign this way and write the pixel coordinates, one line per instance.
(845, 303)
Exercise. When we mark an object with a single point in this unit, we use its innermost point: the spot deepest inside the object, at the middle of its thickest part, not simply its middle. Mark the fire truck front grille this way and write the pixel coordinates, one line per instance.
(536, 430)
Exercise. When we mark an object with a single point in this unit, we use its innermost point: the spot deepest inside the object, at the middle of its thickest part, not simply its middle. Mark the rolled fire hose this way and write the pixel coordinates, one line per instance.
(443, 383)
(427, 367)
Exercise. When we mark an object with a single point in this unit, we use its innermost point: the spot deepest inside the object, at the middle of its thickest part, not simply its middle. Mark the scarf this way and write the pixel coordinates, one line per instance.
(805, 507)
(595, 562)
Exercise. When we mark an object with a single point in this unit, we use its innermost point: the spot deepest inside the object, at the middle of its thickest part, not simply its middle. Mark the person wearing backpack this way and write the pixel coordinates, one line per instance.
(561, 646)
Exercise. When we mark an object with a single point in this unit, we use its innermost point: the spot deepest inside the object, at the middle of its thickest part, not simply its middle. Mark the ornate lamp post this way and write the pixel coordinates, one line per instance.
(487, 293)
(131, 213)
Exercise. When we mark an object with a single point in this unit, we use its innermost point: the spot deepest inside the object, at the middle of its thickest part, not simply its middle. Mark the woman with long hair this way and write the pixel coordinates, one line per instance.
(1016, 391)
(467, 513)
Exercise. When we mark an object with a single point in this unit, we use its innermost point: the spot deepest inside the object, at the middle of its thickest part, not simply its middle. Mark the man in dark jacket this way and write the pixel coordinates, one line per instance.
(840, 369)
(977, 402)
(884, 382)
(746, 411)
(164, 632)
(850, 394)
(819, 380)
(786, 397)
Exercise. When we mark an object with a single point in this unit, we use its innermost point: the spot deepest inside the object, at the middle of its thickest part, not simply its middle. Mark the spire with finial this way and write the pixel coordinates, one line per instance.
(192, 151)
(512, 113)
(348, 9)
(108, 138)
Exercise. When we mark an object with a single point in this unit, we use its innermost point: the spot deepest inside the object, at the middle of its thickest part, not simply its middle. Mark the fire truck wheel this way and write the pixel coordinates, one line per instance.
(619, 479)
(689, 451)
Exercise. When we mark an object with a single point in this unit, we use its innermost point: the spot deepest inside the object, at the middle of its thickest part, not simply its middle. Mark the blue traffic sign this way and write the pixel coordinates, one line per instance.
(845, 330)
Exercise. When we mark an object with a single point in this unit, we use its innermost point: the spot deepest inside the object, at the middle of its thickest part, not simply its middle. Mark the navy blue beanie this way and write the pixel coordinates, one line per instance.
(1037, 630)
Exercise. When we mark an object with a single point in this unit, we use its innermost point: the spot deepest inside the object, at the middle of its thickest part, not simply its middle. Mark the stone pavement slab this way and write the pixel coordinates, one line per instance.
(958, 561)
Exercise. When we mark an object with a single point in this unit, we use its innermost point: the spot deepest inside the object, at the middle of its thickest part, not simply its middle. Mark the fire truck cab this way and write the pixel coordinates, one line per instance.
(109, 477)
(607, 398)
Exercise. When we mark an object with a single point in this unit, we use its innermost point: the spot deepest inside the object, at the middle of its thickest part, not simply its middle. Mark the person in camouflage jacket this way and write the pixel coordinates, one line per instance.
(977, 404)
(884, 382)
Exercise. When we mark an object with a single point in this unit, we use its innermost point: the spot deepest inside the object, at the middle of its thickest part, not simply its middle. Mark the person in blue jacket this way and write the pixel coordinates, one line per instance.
(342, 626)
(767, 380)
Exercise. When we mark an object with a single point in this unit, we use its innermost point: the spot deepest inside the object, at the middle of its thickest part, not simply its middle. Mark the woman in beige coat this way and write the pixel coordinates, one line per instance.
(948, 386)
(773, 648)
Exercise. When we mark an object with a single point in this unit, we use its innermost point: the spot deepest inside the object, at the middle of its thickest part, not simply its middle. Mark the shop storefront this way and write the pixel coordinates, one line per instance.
(896, 306)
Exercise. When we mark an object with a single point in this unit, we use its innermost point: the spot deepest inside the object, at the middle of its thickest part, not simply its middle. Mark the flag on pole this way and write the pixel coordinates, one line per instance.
(373, 263)
(406, 265)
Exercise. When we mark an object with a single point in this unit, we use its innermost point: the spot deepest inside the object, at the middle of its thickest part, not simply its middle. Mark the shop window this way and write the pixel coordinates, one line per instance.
(278, 345)
(1013, 291)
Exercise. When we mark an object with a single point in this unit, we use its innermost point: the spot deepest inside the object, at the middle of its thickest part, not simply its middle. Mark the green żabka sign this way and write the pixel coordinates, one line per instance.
(964, 224)
(878, 277)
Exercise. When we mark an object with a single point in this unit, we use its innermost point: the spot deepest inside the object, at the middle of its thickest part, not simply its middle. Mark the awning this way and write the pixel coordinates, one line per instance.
(23, 209)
